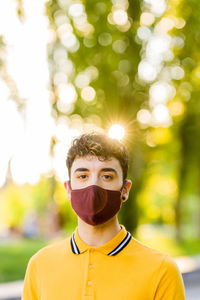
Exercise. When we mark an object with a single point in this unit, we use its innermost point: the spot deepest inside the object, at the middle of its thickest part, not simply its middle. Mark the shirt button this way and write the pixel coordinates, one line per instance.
(91, 266)
(89, 282)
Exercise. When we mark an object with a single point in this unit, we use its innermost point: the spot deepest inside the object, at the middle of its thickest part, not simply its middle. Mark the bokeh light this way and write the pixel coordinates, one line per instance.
(120, 17)
(147, 71)
(147, 19)
(144, 116)
(161, 116)
(116, 131)
(88, 93)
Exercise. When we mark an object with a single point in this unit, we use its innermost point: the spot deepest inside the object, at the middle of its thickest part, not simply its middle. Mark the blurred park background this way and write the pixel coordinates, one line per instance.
(127, 68)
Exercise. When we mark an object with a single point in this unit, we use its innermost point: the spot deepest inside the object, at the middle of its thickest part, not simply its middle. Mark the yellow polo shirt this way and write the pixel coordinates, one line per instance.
(121, 269)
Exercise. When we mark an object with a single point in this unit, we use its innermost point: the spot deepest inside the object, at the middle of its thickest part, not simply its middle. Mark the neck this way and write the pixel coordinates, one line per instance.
(99, 234)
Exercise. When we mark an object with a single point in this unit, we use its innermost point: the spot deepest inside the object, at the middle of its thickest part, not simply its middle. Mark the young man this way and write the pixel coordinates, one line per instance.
(100, 260)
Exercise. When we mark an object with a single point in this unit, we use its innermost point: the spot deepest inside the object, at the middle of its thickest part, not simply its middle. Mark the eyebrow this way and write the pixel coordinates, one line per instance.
(81, 170)
(109, 170)
(102, 170)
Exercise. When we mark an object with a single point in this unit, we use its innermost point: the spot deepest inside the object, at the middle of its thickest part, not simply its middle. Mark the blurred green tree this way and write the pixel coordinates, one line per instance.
(189, 130)
(103, 57)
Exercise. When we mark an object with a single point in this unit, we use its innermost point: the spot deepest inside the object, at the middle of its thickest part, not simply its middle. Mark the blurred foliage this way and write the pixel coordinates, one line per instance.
(113, 54)
(16, 201)
(164, 162)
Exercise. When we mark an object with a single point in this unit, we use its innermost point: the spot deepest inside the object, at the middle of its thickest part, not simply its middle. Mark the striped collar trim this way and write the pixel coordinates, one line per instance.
(122, 245)
(111, 248)
(74, 246)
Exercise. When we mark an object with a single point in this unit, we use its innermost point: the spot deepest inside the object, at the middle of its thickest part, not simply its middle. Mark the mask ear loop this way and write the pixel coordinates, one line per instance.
(125, 181)
(68, 181)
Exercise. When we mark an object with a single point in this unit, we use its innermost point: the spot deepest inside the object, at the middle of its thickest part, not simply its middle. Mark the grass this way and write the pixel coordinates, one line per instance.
(162, 239)
(14, 256)
(172, 247)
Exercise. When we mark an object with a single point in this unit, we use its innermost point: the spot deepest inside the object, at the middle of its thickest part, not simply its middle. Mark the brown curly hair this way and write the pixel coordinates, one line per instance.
(100, 145)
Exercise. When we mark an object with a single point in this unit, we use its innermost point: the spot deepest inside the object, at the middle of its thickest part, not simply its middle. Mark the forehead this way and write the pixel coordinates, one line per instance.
(93, 163)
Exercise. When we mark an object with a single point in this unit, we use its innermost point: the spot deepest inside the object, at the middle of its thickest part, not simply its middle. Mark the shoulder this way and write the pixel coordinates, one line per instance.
(168, 266)
(156, 259)
(161, 266)
(57, 249)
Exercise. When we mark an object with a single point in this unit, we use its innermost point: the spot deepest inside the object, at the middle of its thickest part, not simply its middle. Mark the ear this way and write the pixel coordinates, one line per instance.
(68, 189)
(126, 190)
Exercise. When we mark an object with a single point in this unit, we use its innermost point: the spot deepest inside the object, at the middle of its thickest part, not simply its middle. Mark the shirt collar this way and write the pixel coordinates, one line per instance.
(112, 247)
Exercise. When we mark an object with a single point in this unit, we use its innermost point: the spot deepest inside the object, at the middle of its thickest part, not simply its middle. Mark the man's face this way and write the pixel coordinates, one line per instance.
(89, 170)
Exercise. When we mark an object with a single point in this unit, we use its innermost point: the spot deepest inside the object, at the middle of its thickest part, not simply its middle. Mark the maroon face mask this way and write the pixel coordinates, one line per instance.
(95, 205)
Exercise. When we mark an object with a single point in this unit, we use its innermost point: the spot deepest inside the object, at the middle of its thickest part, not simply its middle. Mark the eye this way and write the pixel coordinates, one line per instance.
(107, 176)
(82, 176)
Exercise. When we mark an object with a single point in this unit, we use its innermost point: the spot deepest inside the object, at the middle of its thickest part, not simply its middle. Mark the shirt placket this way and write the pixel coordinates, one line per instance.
(89, 283)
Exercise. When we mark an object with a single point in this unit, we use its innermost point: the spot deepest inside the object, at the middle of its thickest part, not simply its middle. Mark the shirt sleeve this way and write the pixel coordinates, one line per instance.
(30, 282)
(170, 285)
